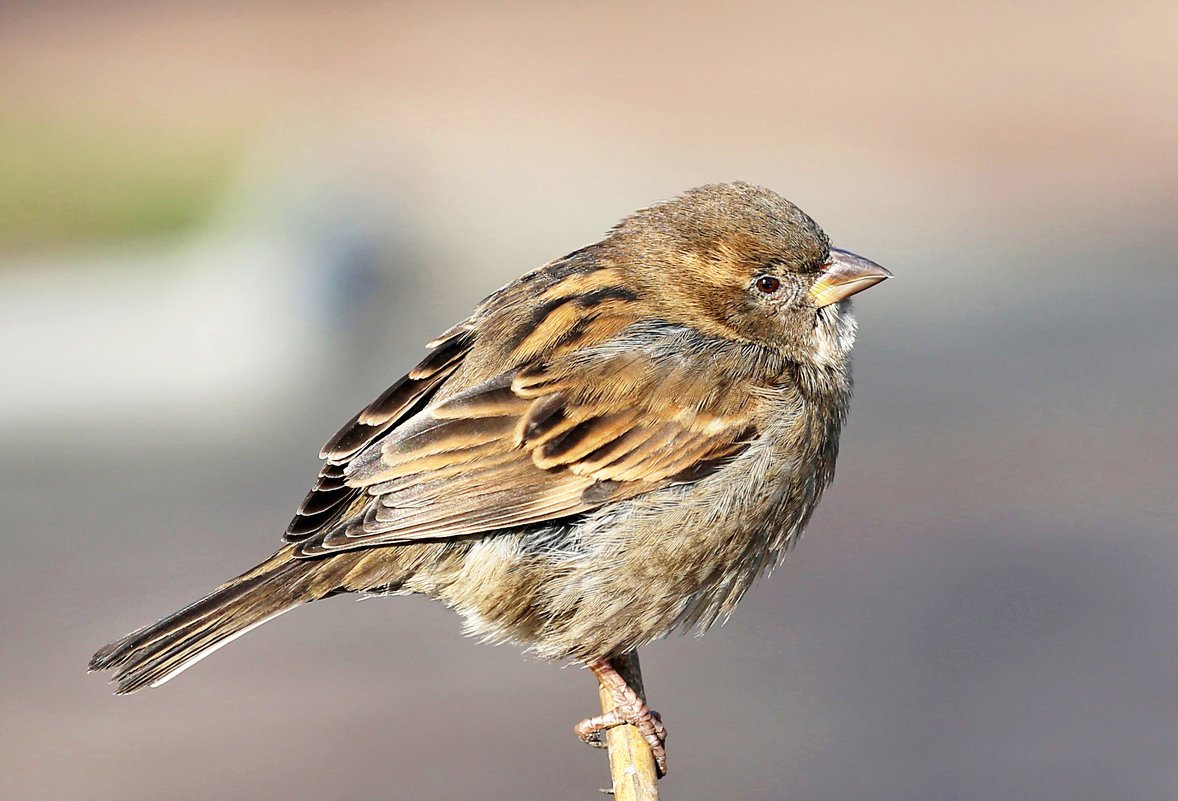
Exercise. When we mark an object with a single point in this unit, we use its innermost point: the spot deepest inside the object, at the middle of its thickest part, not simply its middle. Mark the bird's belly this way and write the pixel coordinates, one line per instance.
(621, 576)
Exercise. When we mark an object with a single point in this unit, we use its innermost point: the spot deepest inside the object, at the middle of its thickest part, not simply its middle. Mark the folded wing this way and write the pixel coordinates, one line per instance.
(540, 443)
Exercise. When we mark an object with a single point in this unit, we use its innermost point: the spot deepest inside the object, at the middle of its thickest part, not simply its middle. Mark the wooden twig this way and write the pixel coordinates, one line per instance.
(630, 762)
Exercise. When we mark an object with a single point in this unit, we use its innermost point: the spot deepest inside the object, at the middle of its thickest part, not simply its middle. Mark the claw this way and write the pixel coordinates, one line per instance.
(590, 730)
(628, 708)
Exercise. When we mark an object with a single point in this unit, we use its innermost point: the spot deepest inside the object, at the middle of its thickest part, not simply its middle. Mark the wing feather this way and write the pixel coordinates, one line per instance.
(332, 495)
(597, 402)
(490, 459)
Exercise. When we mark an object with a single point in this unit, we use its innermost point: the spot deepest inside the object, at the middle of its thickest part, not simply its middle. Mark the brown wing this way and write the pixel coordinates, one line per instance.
(539, 444)
(331, 496)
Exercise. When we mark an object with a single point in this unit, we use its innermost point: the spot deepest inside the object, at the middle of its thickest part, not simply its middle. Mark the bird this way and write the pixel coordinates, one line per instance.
(610, 448)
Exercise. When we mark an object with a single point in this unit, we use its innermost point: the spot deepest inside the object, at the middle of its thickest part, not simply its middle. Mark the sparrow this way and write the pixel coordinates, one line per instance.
(610, 448)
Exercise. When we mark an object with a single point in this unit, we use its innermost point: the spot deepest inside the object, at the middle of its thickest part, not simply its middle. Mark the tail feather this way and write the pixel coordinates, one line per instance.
(156, 653)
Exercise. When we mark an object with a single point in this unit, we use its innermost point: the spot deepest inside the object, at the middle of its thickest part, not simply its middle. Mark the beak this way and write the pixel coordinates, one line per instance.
(845, 275)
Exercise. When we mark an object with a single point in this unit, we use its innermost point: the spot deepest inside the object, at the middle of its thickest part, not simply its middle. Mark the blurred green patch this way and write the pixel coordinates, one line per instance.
(93, 179)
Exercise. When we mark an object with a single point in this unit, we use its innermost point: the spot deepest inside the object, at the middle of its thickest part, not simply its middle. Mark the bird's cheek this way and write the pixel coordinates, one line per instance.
(770, 325)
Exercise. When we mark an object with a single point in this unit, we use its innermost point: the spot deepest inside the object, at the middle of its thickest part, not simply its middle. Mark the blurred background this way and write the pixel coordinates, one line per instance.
(224, 227)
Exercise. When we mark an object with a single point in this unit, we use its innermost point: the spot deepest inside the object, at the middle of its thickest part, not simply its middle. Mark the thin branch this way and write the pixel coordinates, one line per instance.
(630, 762)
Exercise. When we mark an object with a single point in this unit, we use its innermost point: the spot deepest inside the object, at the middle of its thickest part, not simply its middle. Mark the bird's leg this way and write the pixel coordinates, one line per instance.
(628, 708)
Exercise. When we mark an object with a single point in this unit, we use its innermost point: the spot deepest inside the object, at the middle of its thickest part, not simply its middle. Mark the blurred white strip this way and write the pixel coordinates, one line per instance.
(198, 332)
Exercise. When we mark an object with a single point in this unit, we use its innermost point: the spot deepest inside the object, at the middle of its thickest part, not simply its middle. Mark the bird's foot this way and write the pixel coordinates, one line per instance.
(628, 708)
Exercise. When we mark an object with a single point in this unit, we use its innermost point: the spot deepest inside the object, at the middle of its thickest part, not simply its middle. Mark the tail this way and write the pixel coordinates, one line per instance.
(156, 653)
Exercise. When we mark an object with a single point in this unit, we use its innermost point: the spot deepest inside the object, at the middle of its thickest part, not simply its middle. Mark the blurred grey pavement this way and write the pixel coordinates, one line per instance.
(984, 605)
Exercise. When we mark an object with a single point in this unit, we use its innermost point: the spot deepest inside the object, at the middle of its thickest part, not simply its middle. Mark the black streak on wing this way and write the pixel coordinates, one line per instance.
(330, 496)
(380, 415)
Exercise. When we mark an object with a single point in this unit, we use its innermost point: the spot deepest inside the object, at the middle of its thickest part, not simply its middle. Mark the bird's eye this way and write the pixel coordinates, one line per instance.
(768, 284)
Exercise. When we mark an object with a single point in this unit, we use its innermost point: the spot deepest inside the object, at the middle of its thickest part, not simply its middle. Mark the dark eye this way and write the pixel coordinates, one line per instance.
(768, 284)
